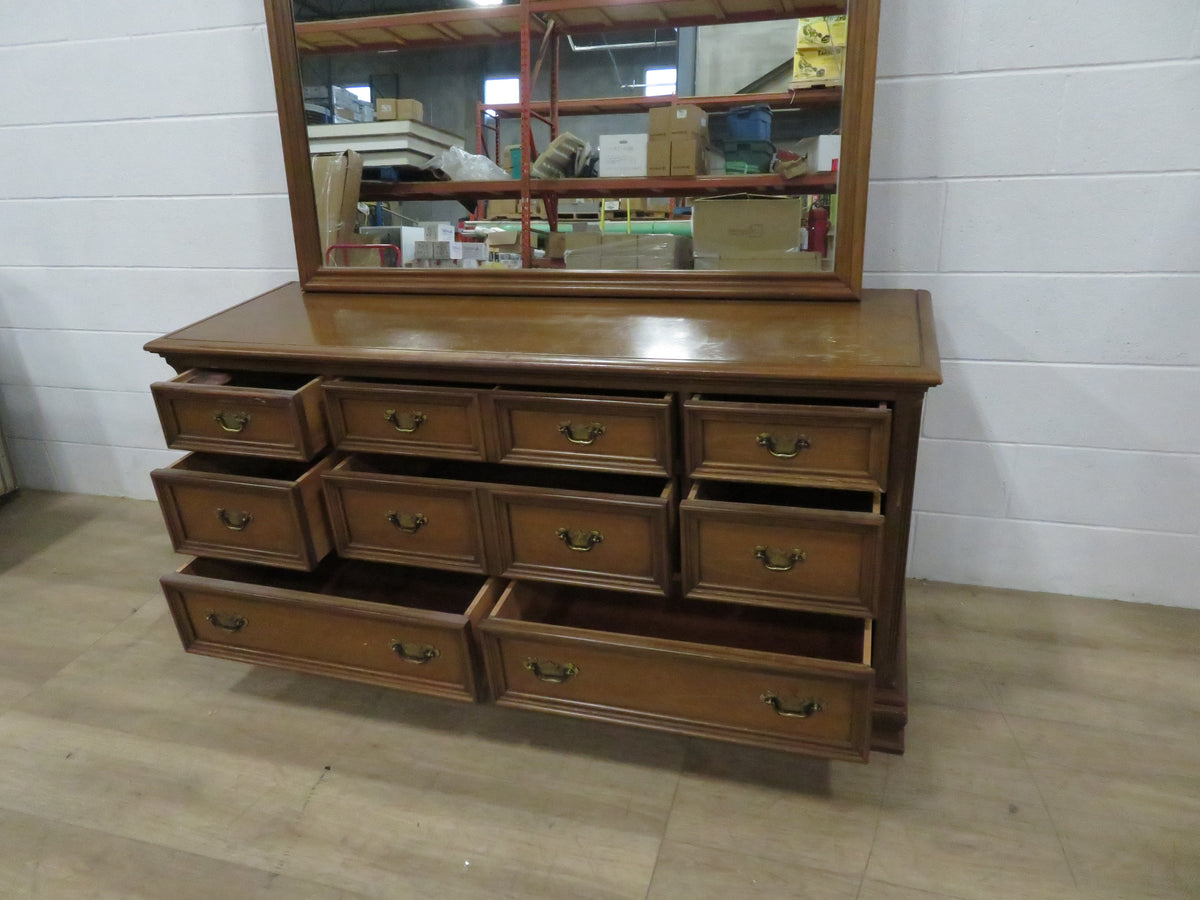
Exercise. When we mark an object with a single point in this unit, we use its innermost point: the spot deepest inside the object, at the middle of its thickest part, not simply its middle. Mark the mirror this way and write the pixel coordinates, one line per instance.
(654, 155)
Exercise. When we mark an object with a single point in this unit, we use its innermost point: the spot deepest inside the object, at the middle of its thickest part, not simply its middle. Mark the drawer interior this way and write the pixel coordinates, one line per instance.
(760, 629)
(274, 381)
(242, 466)
(780, 495)
(490, 473)
(429, 589)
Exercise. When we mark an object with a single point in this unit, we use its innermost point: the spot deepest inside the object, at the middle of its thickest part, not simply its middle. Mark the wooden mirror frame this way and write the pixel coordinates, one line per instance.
(843, 283)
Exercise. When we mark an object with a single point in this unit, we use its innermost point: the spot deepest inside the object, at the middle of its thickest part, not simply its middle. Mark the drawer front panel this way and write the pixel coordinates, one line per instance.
(270, 522)
(282, 424)
(806, 559)
(841, 447)
(349, 639)
(436, 422)
(624, 542)
(418, 523)
(614, 435)
(688, 692)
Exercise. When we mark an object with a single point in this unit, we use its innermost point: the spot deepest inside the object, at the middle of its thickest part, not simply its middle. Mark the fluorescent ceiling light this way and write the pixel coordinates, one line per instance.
(487, 2)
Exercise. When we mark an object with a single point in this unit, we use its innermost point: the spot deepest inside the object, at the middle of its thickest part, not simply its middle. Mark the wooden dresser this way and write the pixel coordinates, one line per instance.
(689, 515)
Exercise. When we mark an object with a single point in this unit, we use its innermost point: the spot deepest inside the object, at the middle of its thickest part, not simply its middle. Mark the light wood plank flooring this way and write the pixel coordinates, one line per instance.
(1054, 752)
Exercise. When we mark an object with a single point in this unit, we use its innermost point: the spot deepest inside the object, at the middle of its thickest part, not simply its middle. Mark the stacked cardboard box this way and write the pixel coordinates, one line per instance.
(390, 108)
(763, 233)
(820, 50)
(678, 141)
(592, 250)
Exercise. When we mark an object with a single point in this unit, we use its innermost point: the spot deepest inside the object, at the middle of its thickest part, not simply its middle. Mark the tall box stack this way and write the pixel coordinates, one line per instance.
(820, 51)
(678, 141)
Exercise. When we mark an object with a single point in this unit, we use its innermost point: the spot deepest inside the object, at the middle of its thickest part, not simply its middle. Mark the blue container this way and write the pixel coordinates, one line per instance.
(749, 123)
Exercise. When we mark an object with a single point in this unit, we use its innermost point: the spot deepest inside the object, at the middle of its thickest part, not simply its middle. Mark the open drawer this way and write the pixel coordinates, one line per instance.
(248, 413)
(795, 548)
(257, 510)
(381, 624)
(793, 681)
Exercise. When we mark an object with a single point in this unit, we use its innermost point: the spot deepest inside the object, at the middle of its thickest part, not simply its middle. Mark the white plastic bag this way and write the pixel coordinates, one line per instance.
(459, 165)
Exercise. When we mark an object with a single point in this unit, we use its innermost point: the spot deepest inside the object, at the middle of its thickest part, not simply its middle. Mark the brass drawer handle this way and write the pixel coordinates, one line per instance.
(417, 654)
(766, 439)
(809, 707)
(233, 521)
(232, 624)
(411, 421)
(579, 540)
(409, 523)
(232, 422)
(777, 560)
(554, 673)
(581, 434)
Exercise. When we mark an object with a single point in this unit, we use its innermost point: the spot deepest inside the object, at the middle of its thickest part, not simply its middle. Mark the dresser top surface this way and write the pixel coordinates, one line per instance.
(887, 337)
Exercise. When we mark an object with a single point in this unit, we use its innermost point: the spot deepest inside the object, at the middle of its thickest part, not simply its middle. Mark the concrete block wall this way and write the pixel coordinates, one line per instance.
(141, 188)
(1035, 166)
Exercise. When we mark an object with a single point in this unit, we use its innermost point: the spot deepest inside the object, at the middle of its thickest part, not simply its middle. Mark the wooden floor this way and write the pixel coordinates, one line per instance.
(1054, 751)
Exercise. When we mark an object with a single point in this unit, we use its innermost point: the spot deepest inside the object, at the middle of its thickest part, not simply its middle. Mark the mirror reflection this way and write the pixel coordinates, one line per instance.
(651, 138)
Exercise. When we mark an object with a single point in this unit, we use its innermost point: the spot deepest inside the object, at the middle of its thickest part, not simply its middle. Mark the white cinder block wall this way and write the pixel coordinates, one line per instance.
(141, 188)
(1035, 166)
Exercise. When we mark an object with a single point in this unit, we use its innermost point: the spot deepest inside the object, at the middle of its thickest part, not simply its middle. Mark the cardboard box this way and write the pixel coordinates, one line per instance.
(798, 261)
(821, 31)
(628, 251)
(392, 108)
(511, 209)
(437, 231)
(578, 206)
(816, 66)
(664, 251)
(747, 227)
(689, 156)
(438, 250)
(558, 159)
(658, 156)
(337, 180)
(679, 121)
(559, 242)
(820, 152)
(504, 241)
(623, 155)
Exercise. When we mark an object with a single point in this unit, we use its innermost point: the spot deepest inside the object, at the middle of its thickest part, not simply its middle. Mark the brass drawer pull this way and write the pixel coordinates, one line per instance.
(232, 422)
(581, 434)
(234, 521)
(579, 540)
(809, 707)
(417, 654)
(766, 439)
(411, 421)
(554, 673)
(409, 523)
(232, 624)
(777, 560)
